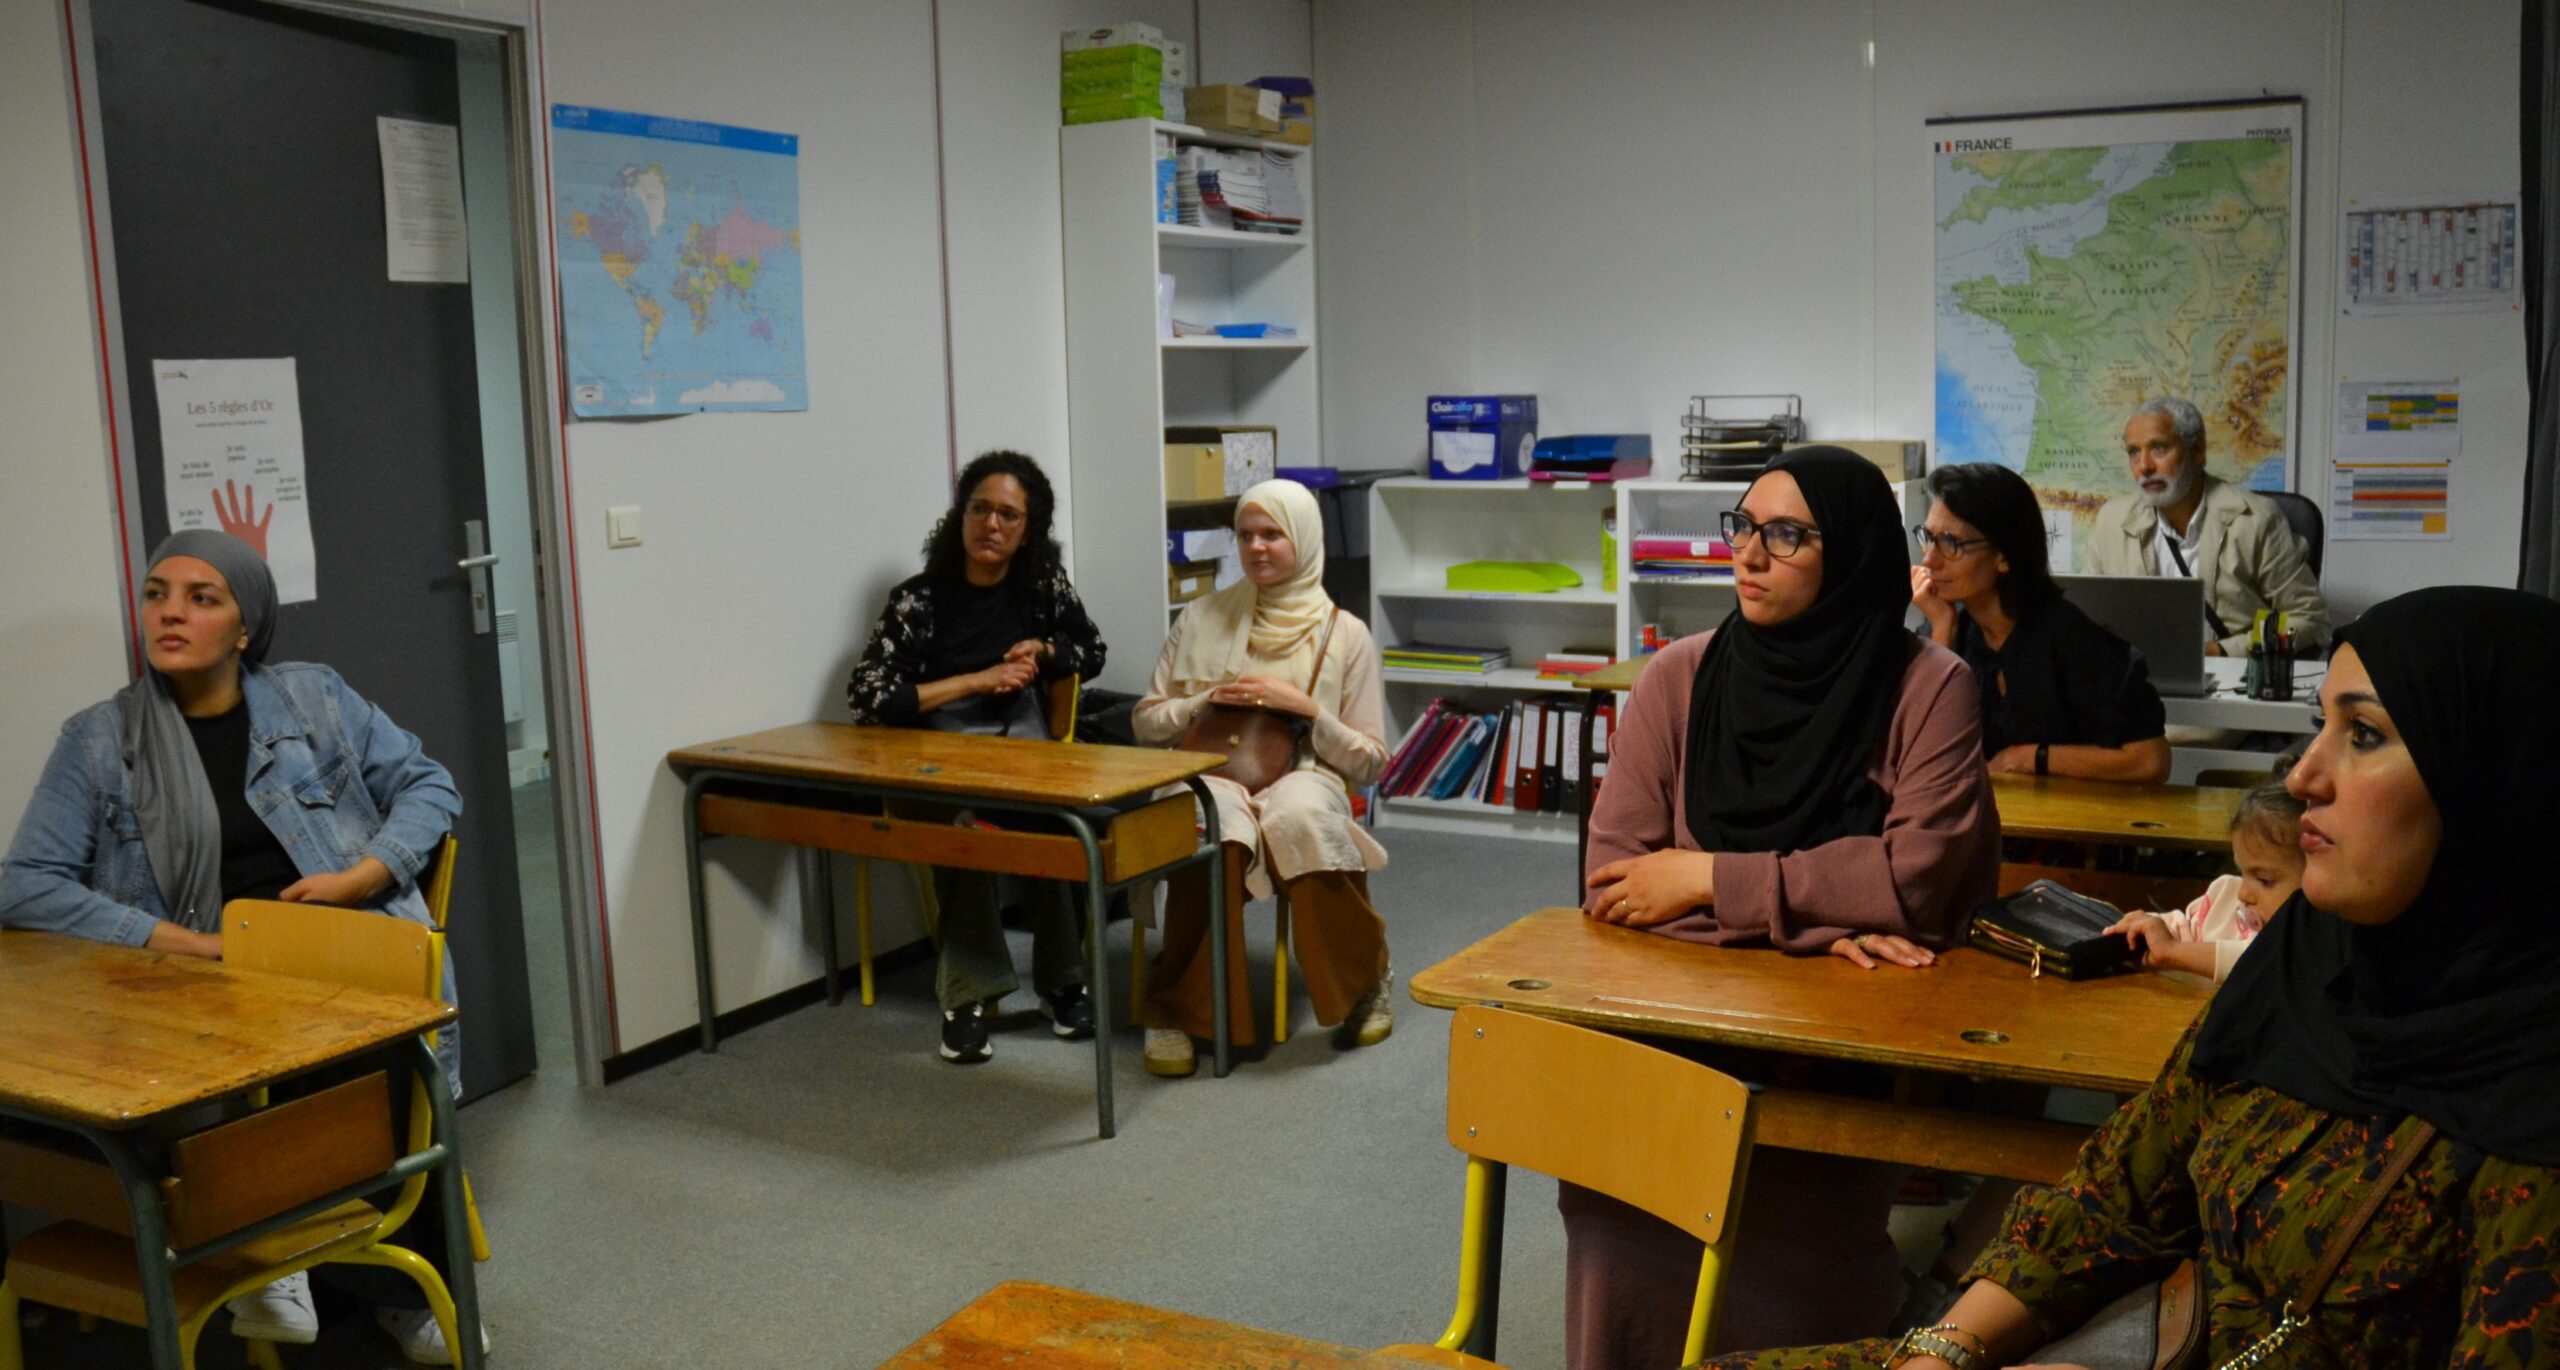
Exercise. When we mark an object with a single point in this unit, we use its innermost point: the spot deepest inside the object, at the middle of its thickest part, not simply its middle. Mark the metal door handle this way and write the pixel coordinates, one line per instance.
(475, 563)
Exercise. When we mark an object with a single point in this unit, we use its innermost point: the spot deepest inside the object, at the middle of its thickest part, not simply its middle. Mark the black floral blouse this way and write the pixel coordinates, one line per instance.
(883, 689)
(2460, 1267)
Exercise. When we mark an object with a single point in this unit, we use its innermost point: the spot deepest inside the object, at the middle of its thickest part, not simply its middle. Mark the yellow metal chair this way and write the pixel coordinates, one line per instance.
(1524, 1091)
(435, 885)
(240, 1173)
(1059, 711)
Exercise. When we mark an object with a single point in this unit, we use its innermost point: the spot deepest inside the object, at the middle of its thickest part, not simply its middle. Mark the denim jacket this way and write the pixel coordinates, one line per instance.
(335, 779)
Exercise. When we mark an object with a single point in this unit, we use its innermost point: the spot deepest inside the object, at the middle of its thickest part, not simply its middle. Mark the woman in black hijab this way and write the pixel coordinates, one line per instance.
(1807, 777)
(2403, 1006)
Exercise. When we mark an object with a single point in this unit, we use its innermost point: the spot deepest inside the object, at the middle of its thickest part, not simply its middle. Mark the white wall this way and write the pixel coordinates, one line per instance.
(62, 622)
(1634, 202)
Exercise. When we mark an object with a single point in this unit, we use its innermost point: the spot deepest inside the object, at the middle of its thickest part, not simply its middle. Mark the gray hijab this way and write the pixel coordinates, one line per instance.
(181, 829)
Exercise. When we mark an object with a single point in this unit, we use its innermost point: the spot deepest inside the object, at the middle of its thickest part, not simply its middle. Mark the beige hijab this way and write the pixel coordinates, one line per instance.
(1282, 626)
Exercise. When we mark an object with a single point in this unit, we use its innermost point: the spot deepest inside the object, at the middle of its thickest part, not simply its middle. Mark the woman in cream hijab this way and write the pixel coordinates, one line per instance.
(1255, 644)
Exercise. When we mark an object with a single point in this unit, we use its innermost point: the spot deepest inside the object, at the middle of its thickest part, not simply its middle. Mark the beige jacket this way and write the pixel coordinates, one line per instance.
(2246, 555)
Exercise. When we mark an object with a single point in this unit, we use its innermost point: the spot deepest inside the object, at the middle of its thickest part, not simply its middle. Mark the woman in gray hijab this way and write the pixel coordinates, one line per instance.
(219, 775)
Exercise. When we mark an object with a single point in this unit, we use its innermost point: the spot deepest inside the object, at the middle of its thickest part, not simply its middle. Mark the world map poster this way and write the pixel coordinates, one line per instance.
(2088, 262)
(679, 264)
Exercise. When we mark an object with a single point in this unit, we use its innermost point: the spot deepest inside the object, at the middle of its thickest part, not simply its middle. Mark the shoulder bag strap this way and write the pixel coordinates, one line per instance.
(2401, 1160)
(1321, 647)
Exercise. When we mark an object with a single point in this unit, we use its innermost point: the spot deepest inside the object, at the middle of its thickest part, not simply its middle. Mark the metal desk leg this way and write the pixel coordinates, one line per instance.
(1217, 926)
(461, 1280)
(1489, 1307)
(1096, 912)
(817, 870)
(693, 787)
(151, 1244)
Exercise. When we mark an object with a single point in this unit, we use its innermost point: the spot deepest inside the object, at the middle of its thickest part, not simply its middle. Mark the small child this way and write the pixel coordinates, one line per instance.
(2208, 937)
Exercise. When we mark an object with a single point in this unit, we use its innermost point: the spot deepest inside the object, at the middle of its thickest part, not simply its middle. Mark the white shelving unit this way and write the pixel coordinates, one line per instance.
(1126, 384)
(1418, 529)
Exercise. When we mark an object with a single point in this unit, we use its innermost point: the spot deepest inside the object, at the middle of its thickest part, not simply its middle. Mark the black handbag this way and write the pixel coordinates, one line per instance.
(1261, 745)
(2049, 928)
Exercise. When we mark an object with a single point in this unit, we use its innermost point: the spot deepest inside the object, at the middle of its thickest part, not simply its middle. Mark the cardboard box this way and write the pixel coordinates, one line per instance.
(1233, 109)
(1187, 581)
(1112, 110)
(1248, 454)
(1481, 437)
(1194, 469)
(1112, 36)
(1210, 545)
(1297, 107)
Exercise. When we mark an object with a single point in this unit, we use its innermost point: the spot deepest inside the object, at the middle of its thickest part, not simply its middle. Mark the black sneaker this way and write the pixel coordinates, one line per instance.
(1071, 1012)
(964, 1034)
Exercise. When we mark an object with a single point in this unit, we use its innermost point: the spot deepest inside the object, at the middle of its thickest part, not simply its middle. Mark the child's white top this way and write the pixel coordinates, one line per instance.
(2217, 917)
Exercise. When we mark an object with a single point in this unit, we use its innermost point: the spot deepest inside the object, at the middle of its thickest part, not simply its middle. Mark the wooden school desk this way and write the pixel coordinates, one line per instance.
(1972, 1014)
(1020, 1326)
(820, 786)
(99, 1041)
(2104, 813)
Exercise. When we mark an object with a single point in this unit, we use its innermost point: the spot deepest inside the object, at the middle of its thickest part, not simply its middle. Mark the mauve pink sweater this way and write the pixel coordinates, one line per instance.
(1936, 860)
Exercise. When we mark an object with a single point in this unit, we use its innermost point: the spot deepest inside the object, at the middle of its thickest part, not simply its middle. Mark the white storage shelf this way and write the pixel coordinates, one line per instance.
(1126, 383)
(1665, 507)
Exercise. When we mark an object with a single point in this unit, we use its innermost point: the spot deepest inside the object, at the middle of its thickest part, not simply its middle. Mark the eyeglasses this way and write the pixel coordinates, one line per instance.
(1948, 544)
(1005, 518)
(1786, 536)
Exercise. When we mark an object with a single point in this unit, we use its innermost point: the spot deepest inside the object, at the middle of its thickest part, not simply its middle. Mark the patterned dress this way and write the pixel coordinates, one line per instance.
(883, 688)
(2460, 1267)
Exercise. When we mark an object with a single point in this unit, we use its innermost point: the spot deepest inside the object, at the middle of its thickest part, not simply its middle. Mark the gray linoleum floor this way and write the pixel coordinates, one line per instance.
(825, 1190)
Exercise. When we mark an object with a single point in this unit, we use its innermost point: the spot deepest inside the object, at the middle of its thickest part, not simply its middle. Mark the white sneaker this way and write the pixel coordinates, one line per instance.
(1169, 1053)
(280, 1312)
(421, 1340)
(1374, 1017)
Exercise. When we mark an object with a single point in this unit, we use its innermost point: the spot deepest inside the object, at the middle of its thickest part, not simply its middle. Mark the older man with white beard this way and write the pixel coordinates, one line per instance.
(2182, 522)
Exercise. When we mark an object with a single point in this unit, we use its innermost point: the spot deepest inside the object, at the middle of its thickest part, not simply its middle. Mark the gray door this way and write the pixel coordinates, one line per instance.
(245, 191)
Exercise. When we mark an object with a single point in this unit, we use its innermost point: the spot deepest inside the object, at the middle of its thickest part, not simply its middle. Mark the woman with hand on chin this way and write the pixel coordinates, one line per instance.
(2402, 1007)
(2060, 694)
(218, 776)
(1259, 645)
(1808, 777)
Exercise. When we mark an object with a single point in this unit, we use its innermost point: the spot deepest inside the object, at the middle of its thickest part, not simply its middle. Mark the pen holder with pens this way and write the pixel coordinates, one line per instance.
(2271, 646)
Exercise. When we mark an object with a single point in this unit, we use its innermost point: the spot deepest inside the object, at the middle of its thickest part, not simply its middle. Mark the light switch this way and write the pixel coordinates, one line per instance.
(622, 526)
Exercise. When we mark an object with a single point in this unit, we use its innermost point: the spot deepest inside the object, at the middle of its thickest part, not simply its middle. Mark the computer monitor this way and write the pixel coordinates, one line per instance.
(2162, 616)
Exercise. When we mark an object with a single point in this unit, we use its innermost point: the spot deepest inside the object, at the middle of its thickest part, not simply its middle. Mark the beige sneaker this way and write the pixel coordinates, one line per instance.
(1374, 1017)
(1169, 1053)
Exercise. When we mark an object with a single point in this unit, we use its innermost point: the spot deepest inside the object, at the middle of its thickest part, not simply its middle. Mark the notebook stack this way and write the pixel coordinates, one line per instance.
(1245, 189)
(1681, 556)
(1424, 656)
(1573, 661)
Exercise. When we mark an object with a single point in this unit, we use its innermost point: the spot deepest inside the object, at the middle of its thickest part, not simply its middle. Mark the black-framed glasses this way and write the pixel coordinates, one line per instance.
(1786, 536)
(1948, 544)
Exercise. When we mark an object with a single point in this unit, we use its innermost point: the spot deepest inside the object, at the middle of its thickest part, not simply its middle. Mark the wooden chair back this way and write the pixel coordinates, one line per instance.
(343, 946)
(1526, 1091)
(1061, 699)
(435, 883)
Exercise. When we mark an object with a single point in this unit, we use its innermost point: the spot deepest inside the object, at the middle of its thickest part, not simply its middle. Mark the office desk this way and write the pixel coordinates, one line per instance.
(793, 785)
(2108, 814)
(1023, 1326)
(99, 1040)
(1970, 1015)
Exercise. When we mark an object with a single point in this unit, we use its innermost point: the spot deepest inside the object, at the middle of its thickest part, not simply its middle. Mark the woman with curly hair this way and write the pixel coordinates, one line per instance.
(959, 648)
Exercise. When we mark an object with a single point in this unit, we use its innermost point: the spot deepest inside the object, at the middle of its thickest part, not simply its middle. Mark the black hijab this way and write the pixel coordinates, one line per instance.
(2452, 1010)
(1784, 721)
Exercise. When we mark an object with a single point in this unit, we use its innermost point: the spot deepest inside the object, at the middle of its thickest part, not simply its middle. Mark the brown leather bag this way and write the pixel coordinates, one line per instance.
(1261, 745)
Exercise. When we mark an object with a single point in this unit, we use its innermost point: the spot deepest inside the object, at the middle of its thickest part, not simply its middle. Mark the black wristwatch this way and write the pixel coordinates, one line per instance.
(2044, 758)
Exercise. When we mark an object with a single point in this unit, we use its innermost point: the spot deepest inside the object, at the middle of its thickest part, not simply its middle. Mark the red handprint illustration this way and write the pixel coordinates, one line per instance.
(234, 514)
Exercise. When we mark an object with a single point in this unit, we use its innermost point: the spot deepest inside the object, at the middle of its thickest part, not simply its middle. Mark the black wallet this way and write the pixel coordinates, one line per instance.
(2049, 928)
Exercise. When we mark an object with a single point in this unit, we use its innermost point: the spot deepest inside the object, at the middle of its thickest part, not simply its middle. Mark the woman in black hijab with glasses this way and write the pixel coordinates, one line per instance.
(2403, 1009)
(1807, 777)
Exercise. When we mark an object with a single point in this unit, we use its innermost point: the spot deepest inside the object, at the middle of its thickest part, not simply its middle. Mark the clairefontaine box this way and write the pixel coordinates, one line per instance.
(1481, 437)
